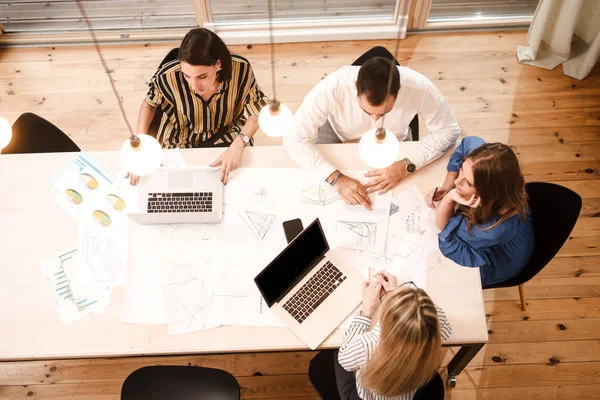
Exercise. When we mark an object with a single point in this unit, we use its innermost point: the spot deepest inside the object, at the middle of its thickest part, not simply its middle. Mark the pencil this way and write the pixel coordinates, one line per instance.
(434, 193)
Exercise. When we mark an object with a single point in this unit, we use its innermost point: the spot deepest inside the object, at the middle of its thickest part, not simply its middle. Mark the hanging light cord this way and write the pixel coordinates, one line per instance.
(389, 85)
(106, 70)
(272, 48)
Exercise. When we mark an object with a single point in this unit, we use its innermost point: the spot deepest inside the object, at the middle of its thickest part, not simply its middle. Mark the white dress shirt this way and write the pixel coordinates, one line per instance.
(335, 98)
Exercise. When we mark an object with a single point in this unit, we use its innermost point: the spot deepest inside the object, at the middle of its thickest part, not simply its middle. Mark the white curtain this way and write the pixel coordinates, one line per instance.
(564, 32)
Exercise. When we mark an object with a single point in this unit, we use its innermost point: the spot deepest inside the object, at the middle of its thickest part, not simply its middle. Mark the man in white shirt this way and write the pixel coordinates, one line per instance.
(353, 100)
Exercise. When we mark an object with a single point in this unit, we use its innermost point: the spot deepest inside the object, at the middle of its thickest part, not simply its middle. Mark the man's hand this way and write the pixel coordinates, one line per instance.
(386, 179)
(230, 158)
(133, 179)
(474, 201)
(353, 192)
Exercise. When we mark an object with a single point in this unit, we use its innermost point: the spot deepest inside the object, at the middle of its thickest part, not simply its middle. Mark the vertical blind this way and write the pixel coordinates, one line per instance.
(232, 11)
(64, 15)
(465, 10)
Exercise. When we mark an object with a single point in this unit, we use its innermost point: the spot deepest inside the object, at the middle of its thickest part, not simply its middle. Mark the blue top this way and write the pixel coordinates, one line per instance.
(500, 252)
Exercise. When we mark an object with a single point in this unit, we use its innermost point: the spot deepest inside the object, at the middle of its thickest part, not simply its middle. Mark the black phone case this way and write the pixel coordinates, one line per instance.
(292, 228)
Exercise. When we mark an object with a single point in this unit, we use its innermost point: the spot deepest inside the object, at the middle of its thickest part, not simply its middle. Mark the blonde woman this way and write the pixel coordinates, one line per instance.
(401, 353)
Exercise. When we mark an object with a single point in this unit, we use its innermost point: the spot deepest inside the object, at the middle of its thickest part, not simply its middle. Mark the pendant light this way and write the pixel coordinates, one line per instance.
(275, 119)
(379, 148)
(141, 154)
(5, 133)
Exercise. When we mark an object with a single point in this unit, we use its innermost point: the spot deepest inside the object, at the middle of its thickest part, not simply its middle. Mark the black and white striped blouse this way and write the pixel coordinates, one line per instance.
(359, 345)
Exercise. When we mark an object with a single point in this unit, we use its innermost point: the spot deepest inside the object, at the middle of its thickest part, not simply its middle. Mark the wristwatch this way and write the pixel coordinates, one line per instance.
(245, 138)
(410, 167)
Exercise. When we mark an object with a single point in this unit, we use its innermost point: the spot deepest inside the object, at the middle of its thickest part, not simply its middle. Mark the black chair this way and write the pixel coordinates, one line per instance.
(380, 51)
(33, 134)
(555, 210)
(321, 374)
(180, 383)
(155, 124)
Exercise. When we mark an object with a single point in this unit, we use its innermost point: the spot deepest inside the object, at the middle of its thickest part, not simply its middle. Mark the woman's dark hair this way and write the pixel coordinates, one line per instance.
(372, 80)
(203, 47)
(499, 183)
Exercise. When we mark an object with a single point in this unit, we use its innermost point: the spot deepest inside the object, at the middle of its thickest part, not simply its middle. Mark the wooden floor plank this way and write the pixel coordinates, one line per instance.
(543, 310)
(533, 353)
(103, 369)
(507, 376)
(543, 331)
(563, 392)
(549, 288)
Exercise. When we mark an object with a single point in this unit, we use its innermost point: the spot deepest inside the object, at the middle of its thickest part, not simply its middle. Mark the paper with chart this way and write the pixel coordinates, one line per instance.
(91, 193)
(72, 303)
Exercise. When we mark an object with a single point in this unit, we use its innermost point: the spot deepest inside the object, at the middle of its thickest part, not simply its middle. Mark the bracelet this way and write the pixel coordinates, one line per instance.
(337, 178)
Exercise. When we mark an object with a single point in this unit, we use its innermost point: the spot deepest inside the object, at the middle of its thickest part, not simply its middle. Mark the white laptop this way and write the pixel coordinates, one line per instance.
(307, 289)
(191, 195)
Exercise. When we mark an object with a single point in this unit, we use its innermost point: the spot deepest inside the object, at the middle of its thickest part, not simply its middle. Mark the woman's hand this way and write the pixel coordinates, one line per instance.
(230, 158)
(474, 201)
(371, 301)
(133, 179)
(388, 281)
(439, 192)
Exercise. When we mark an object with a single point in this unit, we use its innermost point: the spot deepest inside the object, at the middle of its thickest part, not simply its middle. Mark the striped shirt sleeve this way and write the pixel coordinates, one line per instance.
(353, 352)
(255, 99)
(154, 97)
(445, 327)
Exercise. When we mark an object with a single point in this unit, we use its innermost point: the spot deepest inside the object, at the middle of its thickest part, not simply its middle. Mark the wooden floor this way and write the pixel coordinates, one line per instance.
(552, 351)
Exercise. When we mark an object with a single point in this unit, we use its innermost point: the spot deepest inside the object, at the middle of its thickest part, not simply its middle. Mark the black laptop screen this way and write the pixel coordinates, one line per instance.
(292, 263)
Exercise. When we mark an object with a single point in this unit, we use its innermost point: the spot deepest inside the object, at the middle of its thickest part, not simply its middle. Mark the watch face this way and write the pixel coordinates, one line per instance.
(411, 168)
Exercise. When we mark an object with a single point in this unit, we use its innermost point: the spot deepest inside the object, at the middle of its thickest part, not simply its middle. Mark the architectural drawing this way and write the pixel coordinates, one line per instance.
(319, 195)
(412, 224)
(363, 233)
(259, 223)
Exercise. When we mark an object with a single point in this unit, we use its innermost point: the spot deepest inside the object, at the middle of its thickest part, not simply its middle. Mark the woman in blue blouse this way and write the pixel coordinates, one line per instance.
(483, 211)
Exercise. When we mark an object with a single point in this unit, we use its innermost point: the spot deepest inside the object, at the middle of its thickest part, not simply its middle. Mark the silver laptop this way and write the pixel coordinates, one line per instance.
(191, 195)
(307, 289)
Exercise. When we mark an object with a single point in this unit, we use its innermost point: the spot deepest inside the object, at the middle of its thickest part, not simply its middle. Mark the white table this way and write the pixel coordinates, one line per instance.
(34, 227)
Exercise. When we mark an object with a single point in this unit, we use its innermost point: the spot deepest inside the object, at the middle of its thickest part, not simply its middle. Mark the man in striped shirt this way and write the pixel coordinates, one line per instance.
(208, 97)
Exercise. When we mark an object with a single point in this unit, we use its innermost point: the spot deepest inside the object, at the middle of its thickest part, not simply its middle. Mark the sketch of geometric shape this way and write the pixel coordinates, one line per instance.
(261, 192)
(260, 223)
(393, 209)
(319, 195)
(413, 224)
(365, 232)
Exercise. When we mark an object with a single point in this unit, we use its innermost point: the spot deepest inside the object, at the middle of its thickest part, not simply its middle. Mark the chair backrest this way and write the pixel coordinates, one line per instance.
(33, 134)
(380, 51)
(321, 374)
(433, 390)
(155, 124)
(555, 210)
(180, 383)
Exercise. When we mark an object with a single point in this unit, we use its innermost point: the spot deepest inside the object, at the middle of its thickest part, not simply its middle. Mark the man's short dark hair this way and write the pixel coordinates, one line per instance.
(203, 47)
(373, 79)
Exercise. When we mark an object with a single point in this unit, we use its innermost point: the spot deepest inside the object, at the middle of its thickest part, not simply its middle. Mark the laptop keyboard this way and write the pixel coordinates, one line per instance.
(314, 292)
(194, 202)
